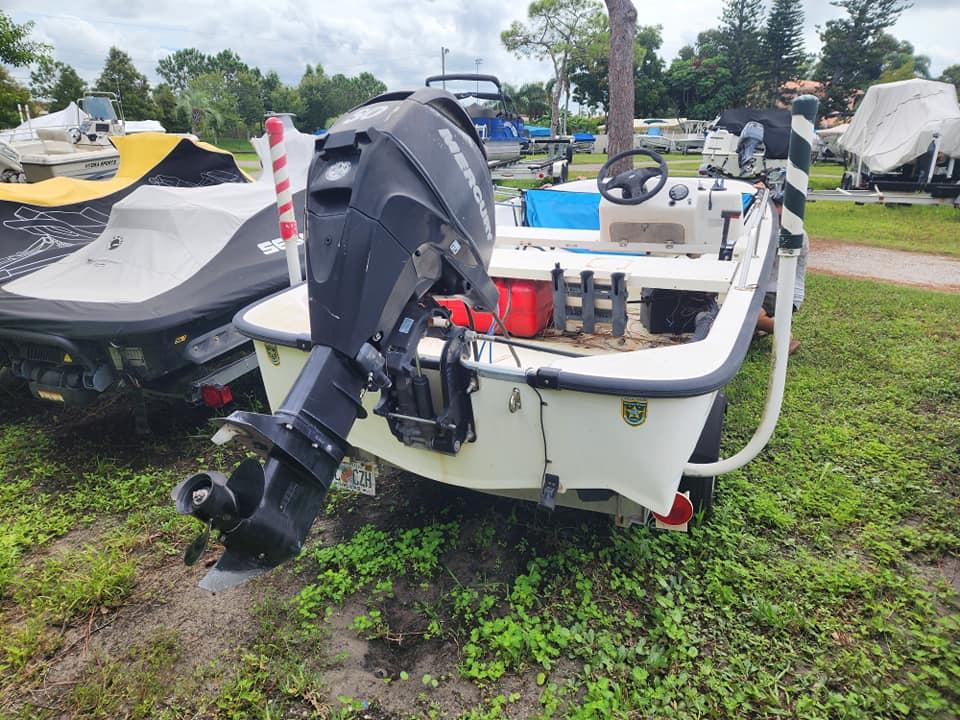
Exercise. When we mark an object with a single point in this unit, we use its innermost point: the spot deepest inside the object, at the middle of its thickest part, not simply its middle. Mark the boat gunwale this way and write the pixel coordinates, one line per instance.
(555, 379)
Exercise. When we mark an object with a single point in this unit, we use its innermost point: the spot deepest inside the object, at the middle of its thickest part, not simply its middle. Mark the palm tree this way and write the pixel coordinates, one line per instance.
(197, 103)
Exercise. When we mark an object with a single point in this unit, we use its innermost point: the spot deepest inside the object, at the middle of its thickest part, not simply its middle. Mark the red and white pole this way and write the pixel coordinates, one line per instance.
(288, 221)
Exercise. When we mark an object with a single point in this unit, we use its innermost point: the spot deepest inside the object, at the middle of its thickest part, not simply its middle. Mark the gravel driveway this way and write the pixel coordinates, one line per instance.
(896, 266)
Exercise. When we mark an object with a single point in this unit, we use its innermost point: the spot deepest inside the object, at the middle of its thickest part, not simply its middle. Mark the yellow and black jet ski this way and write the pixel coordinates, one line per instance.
(45, 221)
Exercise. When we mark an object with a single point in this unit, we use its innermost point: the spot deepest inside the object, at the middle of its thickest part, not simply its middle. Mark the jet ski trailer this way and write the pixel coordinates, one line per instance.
(147, 305)
(365, 368)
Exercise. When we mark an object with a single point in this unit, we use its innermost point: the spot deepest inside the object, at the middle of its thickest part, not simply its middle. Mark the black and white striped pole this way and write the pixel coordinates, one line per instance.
(802, 124)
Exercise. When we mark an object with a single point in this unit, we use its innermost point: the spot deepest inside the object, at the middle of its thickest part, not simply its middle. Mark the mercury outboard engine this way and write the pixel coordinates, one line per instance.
(400, 206)
(750, 138)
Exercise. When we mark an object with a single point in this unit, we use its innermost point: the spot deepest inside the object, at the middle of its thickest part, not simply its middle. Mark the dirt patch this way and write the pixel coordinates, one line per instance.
(372, 671)
(934, 272)
(946, 569)
(166, 598)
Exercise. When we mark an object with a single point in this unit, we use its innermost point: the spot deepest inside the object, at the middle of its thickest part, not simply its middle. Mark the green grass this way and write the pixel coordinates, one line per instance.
(234, 145)
(815, 590)
(919, 228)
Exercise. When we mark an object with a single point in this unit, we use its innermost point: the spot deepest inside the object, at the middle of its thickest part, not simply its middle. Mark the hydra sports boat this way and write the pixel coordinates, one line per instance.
(905, 137)
(746, 143)
(43, 222)
(79, 146)
(573, 367)
(147, 304)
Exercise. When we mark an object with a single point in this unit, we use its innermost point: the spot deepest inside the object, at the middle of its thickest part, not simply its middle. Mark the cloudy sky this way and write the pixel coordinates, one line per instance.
(399, 42)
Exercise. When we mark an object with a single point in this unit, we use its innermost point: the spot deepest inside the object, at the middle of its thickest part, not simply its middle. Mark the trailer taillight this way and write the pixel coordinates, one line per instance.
(680, 513)
(216, 396)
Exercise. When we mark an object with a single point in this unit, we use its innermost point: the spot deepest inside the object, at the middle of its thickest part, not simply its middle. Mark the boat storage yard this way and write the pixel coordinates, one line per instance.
(436, 411)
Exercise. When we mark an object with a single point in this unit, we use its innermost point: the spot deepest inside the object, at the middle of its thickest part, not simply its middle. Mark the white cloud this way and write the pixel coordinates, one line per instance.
(398, 42)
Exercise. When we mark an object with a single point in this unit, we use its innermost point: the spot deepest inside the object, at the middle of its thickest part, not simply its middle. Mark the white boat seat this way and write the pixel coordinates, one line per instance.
(641, 271)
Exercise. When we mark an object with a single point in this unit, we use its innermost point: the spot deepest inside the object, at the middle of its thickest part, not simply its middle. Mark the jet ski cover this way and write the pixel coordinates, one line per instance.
(776, 128)
(45, 221)
(168, 256)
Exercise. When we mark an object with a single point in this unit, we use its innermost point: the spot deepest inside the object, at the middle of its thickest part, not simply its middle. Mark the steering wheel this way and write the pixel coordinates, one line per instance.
(74, 134)
(632, 182)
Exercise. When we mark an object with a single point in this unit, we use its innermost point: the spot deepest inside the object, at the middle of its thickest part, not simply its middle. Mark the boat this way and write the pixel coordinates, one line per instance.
(78, 145)
(670, 135)
(43, 222)
(828, 143)
(905, 137)
(746, 143)
(583, 142)
(146, 305)
(603, 389)
(493, 114)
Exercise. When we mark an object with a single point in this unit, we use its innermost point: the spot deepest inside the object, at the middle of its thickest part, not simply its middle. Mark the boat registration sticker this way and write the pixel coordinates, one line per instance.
(356, 476)
(634, 411)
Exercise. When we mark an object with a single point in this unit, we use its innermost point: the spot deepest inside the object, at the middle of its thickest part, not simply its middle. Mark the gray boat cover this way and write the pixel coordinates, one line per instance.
(168, 256)
(896, 122)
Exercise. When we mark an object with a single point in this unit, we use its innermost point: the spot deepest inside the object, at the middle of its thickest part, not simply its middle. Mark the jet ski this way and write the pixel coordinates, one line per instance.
(146, 305)
(564, 366)
(45, 221)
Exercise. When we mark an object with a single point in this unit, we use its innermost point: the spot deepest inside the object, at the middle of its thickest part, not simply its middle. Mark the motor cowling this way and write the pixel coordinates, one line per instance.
(399, 205)
(750, 138)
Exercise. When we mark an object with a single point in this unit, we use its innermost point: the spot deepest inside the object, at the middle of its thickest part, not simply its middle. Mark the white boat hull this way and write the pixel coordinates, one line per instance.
(97, 165)
(589, 444)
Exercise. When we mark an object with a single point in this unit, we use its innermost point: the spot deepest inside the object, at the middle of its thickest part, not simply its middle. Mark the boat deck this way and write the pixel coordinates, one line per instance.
(636, 337)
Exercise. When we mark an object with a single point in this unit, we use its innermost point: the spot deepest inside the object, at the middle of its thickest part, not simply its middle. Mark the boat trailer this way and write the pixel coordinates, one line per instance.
(880, 197)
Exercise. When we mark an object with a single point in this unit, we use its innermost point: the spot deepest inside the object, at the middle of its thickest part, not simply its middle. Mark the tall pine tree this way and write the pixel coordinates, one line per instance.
(854, 48)
(120, 76)
(740, 34)
(781, 46)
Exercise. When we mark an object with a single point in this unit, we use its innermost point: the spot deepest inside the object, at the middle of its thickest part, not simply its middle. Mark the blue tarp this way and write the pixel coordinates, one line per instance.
(558, 209)
(534, 131)
(575, 210)
(583, 137)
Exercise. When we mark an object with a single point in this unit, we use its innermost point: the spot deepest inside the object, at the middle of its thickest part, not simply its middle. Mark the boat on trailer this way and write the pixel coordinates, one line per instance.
(905, 139)
(142, 300)
(492, 111)
(746, 143)
(569, 367)
(80, 147)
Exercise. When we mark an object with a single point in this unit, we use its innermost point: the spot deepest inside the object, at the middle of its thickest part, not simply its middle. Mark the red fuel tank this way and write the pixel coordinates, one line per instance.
(526, 307)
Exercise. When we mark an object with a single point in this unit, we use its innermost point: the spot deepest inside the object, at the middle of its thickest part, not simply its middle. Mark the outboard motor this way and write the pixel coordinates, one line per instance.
(400, 205)
(750, 138)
